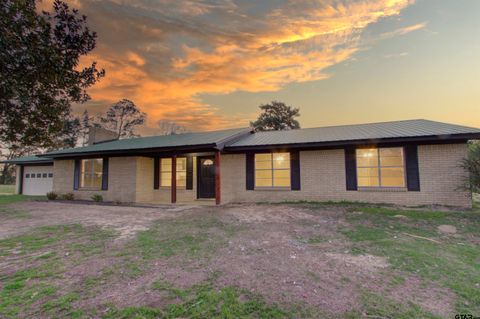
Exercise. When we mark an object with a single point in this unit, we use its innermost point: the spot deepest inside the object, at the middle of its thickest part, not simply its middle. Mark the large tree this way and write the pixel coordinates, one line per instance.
(123, 118)
(276, 116)
(40, 76)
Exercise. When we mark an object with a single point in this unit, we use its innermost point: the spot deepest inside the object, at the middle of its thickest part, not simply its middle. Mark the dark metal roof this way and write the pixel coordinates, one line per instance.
(29, 160)
(213, 140)
(385, 131)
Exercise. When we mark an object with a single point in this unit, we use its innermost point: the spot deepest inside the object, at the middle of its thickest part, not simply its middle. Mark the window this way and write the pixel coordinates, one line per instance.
(272, 170)
(166, 172)
(39, 175)
(32, 176)
(44, 175)
(91, 171)
(50, 175)
(380, 167)
(27, 176)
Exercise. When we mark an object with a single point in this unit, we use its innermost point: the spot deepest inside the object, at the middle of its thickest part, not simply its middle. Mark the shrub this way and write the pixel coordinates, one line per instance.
(52, 196)
(97, 197)
(68, 196)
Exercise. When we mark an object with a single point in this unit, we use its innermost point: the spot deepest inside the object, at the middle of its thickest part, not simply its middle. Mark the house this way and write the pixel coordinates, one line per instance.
(413, 162)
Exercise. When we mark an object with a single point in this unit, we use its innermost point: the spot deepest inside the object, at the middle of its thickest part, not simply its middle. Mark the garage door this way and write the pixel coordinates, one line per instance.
(37, 180)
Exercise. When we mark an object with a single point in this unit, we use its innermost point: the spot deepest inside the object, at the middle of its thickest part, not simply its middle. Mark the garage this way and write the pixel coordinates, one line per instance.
(34, 174)
(37, 180)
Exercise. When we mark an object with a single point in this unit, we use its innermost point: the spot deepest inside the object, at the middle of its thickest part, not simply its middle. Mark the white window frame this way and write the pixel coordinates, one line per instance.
(273, 169)
(379, 167)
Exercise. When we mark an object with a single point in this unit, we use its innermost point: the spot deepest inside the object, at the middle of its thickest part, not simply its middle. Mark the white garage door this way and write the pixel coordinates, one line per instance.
(37, 180)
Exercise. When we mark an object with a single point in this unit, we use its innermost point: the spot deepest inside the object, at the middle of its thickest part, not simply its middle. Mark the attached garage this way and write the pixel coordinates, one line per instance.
(34, 175)
(37, 180)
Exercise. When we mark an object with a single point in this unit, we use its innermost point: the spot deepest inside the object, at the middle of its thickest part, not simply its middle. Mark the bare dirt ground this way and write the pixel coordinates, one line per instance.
(288, 254)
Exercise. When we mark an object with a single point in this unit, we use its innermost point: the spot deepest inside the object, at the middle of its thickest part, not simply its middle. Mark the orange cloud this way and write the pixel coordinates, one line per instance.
(164, 55)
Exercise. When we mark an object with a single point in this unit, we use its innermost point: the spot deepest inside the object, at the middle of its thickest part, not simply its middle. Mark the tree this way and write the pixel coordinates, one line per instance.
(471, 164)
(39, 75)
(167, 127)
(123, 118)
(276, 116)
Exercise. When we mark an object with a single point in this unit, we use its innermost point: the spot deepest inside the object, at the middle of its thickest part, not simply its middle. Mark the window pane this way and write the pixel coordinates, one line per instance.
(281, 182)
(259, 182)
(367, 157)
(393, 177)
(97, 165)
(97, 180)
(263, 174)
(391, 156)
(284, 173)
(263, 161)
(87, 180)
(166, 179)
(281, 160)
(368, 177)
(181, 164)
(166, 165)
(181, 179)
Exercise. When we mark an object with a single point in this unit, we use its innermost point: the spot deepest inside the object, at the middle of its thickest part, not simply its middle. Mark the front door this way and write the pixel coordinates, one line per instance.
(206, 177)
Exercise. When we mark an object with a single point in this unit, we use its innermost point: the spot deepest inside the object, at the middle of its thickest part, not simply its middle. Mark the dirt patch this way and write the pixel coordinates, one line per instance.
(447, 229)
(127, 221)
(368, 262)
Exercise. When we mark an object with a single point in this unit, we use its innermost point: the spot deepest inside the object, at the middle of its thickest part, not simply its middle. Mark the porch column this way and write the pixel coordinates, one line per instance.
(174, 179)
(217, 178)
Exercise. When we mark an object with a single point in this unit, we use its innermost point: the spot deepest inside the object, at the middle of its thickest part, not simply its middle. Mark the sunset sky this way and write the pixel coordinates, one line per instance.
(209, 64)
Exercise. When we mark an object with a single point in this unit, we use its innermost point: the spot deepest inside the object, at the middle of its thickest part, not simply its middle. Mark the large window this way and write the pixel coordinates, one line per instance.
(91, 173)
(166, 172)
(272, 170)
(380, 167)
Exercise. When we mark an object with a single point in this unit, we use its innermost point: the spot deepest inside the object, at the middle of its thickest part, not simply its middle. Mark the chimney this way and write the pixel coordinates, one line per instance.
(98, 134)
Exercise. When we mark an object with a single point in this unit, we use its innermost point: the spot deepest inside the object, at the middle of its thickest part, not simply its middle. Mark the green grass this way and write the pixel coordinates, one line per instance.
(7, 189)
(42, 250)
(452, 263)
(11, 199)
(205, 301)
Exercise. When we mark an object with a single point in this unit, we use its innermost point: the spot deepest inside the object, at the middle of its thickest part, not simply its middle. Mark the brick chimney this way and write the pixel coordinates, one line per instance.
(99, 134)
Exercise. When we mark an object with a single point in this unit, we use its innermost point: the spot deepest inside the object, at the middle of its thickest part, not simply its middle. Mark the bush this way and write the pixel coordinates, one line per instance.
(471, 164)
(68, 196)
(97, 197)
(52, 196)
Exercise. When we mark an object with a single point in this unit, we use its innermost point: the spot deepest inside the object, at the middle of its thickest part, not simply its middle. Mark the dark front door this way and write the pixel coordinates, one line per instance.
(206, 177)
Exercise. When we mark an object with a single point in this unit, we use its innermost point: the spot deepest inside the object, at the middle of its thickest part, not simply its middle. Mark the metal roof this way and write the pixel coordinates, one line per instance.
(29, 160)
(212, 139)
(349, 133)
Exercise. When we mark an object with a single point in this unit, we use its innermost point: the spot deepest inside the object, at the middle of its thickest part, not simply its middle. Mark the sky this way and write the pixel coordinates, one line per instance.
(209, 64)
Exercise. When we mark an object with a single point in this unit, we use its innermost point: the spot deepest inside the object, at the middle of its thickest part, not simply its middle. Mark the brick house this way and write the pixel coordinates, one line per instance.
(414, 162)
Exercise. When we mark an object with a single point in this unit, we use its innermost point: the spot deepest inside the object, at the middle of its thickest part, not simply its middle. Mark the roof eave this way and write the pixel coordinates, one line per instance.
(433, 139)
(141, 151)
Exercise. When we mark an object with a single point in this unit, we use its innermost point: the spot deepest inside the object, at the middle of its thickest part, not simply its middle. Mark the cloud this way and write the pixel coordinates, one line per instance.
(164, 54)
(404, 30)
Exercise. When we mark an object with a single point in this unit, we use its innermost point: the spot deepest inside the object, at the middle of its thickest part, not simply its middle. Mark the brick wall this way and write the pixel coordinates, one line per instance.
(121, 180)
(323, 179)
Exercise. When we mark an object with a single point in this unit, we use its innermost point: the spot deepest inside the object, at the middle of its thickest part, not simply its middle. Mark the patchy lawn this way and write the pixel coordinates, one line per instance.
(310, 260)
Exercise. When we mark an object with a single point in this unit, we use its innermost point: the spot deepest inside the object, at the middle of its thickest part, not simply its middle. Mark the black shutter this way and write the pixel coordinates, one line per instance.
(20, 180)
(76, 175)
(351, 169)
(189, 172)
(105, 174)
(413, 174)
(295, 170)
(156, 173)
(250, 166)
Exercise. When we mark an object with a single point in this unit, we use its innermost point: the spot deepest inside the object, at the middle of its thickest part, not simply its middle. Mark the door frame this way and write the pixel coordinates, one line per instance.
(199, 167)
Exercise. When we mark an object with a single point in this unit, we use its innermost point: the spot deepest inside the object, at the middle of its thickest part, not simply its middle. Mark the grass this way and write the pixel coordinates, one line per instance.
(7, 189)
(204, 301)
(452, 263)
(31, 282)
(11, 199)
